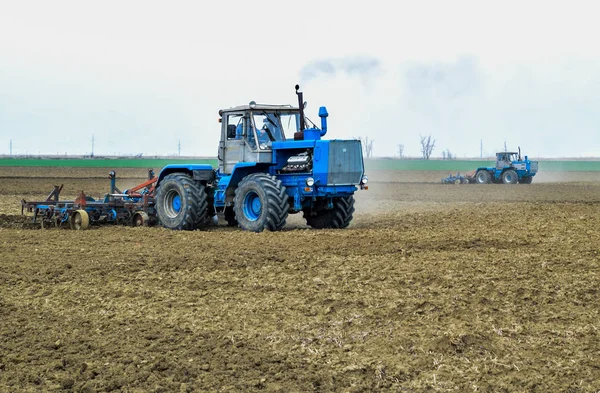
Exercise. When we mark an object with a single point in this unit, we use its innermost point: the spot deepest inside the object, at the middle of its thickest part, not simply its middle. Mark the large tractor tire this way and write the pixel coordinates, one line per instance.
(337, 218)
(483, 177)
(181, 203)
(510, 177)
(526, 180)
(260, 203)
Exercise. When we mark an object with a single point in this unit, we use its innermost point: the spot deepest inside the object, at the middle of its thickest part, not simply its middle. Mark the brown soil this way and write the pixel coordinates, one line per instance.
(433, 287)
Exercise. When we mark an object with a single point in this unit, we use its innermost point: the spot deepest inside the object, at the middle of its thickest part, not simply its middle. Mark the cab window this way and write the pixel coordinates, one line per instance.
(234, 127)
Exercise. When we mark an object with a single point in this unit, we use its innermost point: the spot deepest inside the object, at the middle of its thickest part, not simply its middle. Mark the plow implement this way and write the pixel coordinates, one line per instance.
(460, 179)
(135, 207)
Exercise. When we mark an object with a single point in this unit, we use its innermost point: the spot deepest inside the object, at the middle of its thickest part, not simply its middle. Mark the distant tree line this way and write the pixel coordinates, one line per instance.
(427, 146)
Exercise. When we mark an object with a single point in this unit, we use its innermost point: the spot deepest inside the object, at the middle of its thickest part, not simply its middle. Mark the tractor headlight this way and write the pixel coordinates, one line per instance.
(310, 181)
(364, 180)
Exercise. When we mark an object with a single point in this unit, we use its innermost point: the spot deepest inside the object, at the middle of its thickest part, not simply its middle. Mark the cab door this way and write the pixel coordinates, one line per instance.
(231, 146)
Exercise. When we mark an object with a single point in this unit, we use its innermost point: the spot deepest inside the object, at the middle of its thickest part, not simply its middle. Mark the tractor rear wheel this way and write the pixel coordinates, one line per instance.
(510, 177)
(526, 180)
(337, 218)
(483, 177)
(260, 203)
(181, 203)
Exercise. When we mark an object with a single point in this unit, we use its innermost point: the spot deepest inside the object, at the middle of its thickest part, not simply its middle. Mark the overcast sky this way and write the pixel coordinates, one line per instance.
(141, 76)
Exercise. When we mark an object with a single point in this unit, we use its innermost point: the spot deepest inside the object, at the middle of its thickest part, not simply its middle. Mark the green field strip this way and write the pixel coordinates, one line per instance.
(101, 163)
(372, 164)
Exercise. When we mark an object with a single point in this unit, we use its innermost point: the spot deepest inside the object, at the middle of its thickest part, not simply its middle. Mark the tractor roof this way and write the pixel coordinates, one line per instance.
(507, 152)
(260, 107)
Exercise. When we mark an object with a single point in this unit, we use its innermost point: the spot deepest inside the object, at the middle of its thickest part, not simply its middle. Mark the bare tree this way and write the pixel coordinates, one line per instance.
(427, 145)
(401, 151)
(367, 145)
(447, 155)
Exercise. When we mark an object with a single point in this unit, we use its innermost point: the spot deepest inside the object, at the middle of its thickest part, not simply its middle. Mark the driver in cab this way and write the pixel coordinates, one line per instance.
(264, 140)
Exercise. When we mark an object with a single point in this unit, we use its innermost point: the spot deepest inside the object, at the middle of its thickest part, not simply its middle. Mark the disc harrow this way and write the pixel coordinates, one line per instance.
(134, 207)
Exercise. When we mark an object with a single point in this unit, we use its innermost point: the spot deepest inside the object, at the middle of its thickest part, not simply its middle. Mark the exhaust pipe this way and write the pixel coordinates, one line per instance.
(301, 106)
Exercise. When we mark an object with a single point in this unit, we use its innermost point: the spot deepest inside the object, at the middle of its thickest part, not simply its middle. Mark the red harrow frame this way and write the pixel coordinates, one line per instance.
(135, 206)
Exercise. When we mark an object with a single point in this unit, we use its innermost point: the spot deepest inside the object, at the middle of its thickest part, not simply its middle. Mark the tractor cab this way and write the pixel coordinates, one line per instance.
(249, 131)
(506, 158)
(251, 134)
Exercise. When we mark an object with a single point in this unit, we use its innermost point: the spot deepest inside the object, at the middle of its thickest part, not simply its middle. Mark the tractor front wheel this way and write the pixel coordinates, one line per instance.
(510, 177)
(337, 218)
(260, 203)
(181, 203)
(483, 177)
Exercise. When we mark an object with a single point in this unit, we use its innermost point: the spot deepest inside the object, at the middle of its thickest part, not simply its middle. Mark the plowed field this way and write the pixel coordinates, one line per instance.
(433, 287)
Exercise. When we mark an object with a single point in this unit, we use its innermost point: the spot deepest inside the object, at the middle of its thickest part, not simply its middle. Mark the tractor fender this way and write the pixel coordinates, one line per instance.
(200, 172)
(240, 171)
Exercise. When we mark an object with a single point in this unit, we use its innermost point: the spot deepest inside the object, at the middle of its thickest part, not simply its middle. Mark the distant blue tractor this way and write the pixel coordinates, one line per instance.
(263, 176)
(510, 169)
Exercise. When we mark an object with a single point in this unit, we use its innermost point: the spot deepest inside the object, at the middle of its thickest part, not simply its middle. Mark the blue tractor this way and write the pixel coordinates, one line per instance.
(272, 162)
(510, 169)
